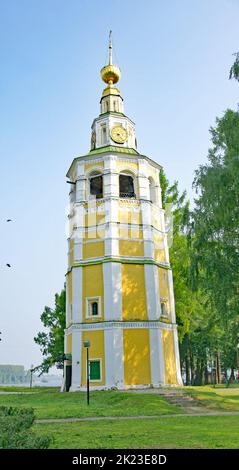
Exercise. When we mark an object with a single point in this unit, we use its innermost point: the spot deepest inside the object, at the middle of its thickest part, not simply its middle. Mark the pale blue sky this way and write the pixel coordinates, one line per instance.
(175, 58)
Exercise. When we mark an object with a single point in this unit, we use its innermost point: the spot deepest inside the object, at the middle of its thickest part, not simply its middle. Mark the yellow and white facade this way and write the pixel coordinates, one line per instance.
(119, 283)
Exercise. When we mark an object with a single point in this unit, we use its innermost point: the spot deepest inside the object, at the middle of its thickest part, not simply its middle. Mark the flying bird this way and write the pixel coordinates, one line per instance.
(9, 220)
(8, 265)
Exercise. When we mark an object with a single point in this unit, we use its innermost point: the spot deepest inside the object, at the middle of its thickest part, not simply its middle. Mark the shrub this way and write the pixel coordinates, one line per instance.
(15, 432)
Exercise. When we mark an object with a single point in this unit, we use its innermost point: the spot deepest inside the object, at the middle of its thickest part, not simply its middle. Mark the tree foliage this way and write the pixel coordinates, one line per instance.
(234, 71)
(216, 233)
(51, 342)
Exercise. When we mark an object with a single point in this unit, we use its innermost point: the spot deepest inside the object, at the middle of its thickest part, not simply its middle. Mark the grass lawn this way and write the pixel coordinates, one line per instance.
(214, 432)
(221, 399)
(54, 404)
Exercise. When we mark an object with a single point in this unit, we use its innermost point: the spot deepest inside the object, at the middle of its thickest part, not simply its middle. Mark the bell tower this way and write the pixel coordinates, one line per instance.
(119, 282)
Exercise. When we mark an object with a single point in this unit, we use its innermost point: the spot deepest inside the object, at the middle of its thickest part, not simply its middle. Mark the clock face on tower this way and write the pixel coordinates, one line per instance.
(119, 134)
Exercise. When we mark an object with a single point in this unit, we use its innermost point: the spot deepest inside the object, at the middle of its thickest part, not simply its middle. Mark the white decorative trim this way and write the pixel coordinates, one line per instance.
(123, 325)
(98, 300)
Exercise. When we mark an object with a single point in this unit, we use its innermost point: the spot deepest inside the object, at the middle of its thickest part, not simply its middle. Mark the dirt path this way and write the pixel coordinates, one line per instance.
(115, 418)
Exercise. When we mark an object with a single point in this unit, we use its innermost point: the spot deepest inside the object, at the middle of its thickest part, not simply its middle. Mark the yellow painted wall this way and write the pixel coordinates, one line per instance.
(133, 292)
(159, 255)
(92, 287)
(96, 351)
(94, 218)
(136, 357)
(70, 287)
(96, 233)
(93, 250)
(164, 289)
(127, 166)
(130, 216)
(156, 220)
(130, 232)
(159, 251)
(169, 357)
(71, 252)
(69, 343)
(131, 248)
(163, 283)
(94, 166)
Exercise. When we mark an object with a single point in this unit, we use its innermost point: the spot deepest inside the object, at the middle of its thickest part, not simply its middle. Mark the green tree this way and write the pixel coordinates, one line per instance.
(234, 71)
(191, 302)
(52, 342)
(216, 232)
(178, 252)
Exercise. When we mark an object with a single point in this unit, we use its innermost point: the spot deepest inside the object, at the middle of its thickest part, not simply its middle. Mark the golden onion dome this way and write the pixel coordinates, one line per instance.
(110, 74)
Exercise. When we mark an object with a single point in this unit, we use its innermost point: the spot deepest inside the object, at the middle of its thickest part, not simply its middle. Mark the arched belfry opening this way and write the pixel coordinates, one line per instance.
(96, 185)
(126, 186)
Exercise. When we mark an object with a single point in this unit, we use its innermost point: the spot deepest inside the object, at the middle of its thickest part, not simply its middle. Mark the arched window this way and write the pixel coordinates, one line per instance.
(126, 186)
(96, 185)
(94, 308)
(152, 195)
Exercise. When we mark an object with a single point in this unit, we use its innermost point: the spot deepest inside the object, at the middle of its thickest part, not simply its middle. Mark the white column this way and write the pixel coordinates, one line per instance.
(147, 230)
(177, 359)
(112, 291)
(114, 357)
(76, 360)
(79, 233)
(111, 231)
(171, 296)
(80, 183)
(143, 181)
(67, 302)
(156, 357)
(111, 177)
(152, 291)
(77, 294)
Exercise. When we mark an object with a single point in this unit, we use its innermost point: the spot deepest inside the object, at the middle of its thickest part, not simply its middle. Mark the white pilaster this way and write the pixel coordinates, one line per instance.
(112, 291)
(152, 291)
(77, 294)
(111, 231)
(111, 177)
(143, 181)
(67, 303)
(156, 358)
(171, 296)
(76, 360)
(80, 183)
(147, 230)
(114, 354)
(177, 359)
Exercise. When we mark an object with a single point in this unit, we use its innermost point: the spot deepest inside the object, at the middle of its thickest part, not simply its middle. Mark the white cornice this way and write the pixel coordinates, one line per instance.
(122, 325)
